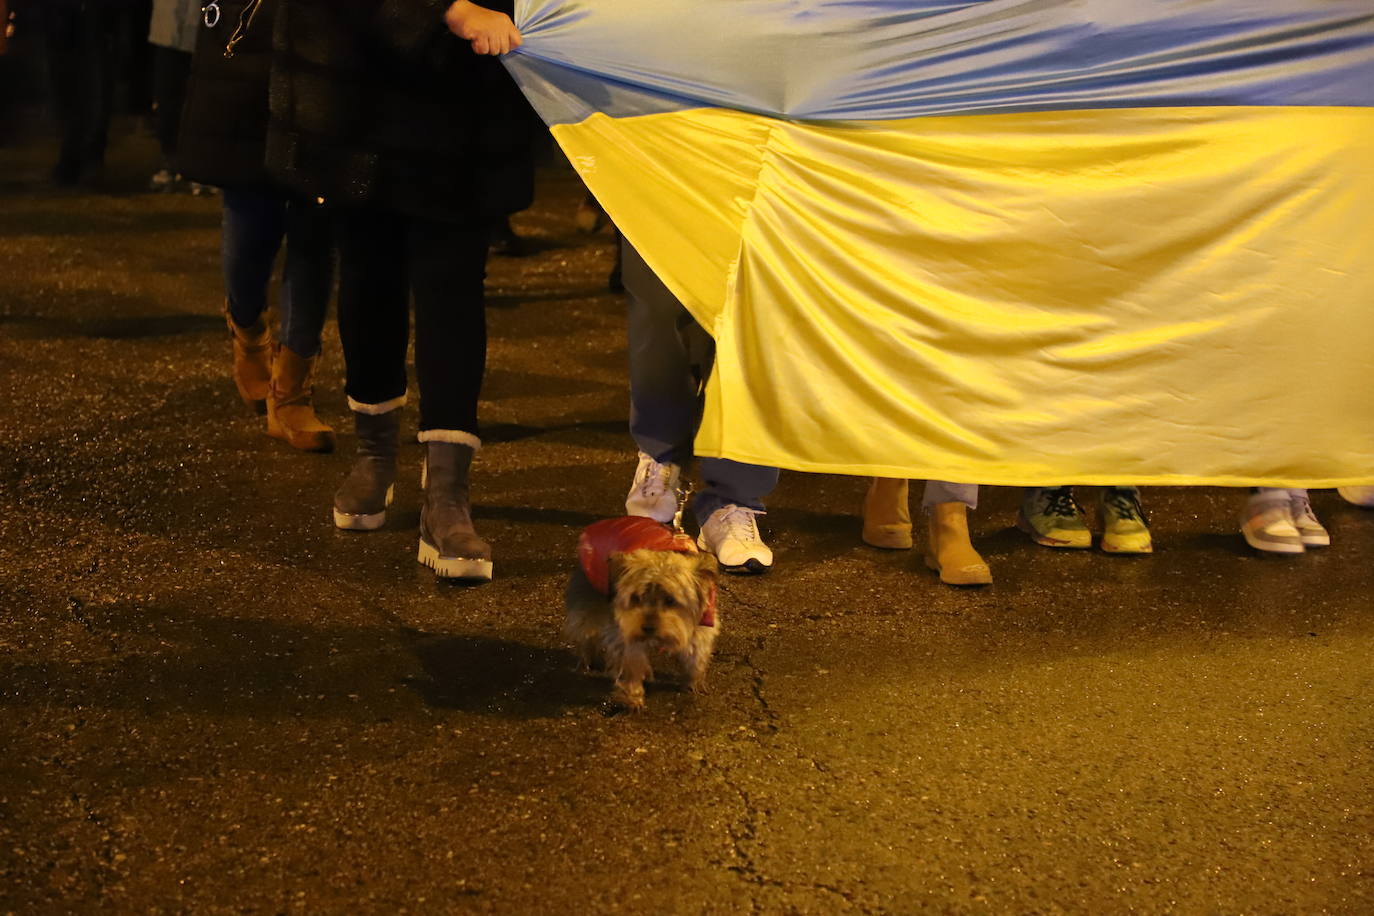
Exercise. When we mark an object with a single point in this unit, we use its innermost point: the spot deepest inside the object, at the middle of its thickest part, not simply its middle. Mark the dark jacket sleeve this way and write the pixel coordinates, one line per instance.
(410, 27)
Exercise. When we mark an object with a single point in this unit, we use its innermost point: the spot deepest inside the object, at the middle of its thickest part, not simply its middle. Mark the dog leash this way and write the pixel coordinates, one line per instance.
(683, 494)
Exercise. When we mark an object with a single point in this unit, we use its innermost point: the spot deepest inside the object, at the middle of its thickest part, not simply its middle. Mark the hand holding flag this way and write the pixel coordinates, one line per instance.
(489, 31)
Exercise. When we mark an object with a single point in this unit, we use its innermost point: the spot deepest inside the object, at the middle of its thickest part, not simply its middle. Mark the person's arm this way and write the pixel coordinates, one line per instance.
(489, 31)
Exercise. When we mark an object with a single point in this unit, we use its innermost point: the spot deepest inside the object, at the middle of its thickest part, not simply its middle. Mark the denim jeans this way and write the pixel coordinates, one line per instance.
(255, 223)
(670, 359)
(939, 491)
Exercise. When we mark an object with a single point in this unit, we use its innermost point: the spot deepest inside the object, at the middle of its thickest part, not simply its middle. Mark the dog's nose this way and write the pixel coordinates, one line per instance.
(649, 627)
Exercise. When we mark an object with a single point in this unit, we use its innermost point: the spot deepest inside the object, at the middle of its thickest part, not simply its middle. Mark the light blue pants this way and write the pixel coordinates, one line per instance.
(939, 491)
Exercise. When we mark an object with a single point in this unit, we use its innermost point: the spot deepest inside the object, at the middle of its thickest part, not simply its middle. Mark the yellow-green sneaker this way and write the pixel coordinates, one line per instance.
(1124, 526)
(1053, 518)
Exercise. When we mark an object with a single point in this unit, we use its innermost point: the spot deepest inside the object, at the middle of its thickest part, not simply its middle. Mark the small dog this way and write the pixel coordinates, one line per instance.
(638, 590)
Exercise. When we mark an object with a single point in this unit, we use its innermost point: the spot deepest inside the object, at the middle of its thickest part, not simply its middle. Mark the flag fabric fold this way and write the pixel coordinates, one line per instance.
(1005, 242)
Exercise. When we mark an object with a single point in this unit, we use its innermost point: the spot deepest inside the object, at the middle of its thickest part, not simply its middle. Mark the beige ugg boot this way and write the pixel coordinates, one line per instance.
(948, 550)
(887, 514)
(252, 361)
(290, 411)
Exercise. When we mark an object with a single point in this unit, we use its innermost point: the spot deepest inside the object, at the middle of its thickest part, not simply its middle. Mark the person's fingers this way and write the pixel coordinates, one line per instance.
(503, 46)
(480, 45)
(516, 40)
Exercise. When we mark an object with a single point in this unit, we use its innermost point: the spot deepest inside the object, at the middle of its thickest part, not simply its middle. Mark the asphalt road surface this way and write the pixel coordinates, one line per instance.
(211, 701)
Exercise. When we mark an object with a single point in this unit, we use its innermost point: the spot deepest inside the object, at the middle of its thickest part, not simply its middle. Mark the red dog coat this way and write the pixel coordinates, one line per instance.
(622, 535)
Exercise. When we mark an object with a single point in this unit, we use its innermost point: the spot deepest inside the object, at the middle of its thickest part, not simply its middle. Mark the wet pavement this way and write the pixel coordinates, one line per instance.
(212, 701)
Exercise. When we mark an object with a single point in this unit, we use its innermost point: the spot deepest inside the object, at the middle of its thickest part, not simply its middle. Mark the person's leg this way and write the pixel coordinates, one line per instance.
(733, 493)
(1125, 529)
(171, 68)
(949, 548)
(308, 276)
(1266, 521)
(66, 79)
(374, 329)
(887, 513)
(1310, 529)
(1053, 518)
(940, 491)
(732, 483)
(251, 231)
(664, 404)
(665, 407)
(306, 280)
(448, 265)
(254, 222)
(101, 42)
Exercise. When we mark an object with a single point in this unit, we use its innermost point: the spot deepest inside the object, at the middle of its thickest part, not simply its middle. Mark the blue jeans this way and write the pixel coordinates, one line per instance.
(255, 223)
(670, 359)
(940, 491)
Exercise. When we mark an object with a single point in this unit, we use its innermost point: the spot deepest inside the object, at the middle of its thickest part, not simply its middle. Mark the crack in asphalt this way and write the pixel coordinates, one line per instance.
(768, 731)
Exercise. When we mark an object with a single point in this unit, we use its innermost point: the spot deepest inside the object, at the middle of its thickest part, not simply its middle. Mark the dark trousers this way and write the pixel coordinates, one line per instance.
(255, 222)
(384, 259)
(81, 39)
(671, 356)
(171, 70)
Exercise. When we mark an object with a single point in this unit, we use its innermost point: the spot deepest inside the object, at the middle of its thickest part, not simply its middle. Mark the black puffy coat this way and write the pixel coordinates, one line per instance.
(375, 102)
(223, 137)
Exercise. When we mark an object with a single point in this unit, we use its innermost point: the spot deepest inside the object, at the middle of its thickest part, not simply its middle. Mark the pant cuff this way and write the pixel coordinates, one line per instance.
(451, 436)
(376, 409)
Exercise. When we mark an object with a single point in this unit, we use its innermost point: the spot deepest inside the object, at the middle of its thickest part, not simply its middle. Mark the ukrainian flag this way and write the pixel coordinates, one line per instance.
(997, 241)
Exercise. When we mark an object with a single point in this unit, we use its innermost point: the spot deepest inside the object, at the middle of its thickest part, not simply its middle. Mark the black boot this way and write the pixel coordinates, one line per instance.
(360, 503)
(448, 542)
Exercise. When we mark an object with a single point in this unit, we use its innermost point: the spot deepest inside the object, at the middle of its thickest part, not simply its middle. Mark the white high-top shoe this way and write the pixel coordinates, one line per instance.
(1359, 496)
(1312, 532)
(732, 534)
(1267, 524)
(653, 494)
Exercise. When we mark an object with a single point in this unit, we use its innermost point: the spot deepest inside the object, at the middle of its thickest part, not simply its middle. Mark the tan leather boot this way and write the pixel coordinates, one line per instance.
(252, 361)
(948, 550)
(290, 412)
(887, 514)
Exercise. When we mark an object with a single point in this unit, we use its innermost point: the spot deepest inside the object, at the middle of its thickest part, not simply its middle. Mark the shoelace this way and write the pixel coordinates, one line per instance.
(1301, 510)
(1125, 504)
(741, 520)
(1062, 503)
(655, 482)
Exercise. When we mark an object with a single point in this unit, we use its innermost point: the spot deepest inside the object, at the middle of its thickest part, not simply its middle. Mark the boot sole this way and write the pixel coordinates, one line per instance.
(889, 537)
(349, 521)
(1108, 547)
(959, 578)
(1045, 541)
(304, 442)
(468, 568)
(1272, 546)
(750, 567)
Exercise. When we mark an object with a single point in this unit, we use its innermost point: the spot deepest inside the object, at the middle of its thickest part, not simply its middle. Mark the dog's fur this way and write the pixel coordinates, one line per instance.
(655, 608)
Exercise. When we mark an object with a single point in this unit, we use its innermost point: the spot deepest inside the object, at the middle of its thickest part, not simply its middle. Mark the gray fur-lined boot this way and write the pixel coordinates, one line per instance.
(448, 542)
(360, 503)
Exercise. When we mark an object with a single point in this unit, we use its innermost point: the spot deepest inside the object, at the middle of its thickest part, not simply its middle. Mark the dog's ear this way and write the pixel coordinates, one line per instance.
(615, 565)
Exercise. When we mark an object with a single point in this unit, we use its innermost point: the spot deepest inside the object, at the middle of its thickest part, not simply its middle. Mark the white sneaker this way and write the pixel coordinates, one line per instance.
(1310, 530)
(1359, 496)
(1268, 526)
(732, 534)
(654, 491)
